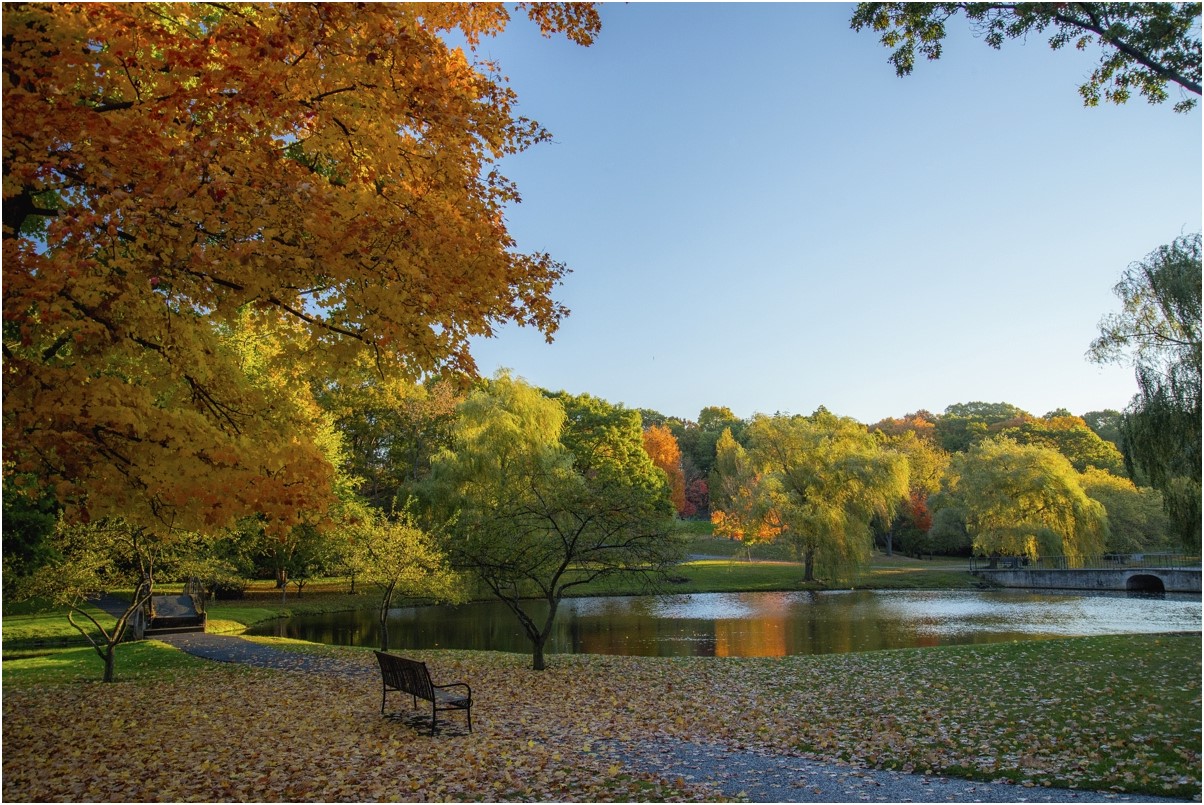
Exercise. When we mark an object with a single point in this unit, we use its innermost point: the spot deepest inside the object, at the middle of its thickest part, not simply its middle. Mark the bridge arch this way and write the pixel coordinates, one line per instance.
(1144, 583)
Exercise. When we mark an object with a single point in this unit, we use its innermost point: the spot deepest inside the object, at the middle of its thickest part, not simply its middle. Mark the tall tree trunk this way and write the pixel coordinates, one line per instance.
(809, 565)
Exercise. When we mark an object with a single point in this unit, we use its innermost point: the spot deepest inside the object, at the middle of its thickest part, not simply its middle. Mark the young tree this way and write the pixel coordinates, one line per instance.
(1023, 500)
(400, 559)
(1144, 46)
(819, 481)
(1159, 332)
(543, 500)
(326, 169)
(90, 559)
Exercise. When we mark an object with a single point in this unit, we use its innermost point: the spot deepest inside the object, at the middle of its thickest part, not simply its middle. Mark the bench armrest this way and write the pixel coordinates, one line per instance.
(455, 685)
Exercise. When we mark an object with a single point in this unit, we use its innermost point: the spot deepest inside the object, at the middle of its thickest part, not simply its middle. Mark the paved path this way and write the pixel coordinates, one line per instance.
(737, 773)
(229, 648)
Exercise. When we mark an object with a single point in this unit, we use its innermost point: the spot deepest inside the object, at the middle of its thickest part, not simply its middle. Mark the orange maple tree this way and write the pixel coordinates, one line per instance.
(661, 446)
(322, 175)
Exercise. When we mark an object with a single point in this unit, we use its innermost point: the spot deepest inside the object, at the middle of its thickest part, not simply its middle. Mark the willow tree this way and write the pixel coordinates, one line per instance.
(545, 495)
(327, 169)
(1023, 500)
(1158, 331)
(817, 482)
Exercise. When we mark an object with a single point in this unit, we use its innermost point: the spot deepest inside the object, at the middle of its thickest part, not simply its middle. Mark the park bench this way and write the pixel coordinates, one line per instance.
(410, 676)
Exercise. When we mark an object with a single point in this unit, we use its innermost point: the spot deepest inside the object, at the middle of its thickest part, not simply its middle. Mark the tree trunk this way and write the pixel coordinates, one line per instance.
(537, 661)
(538, 641)
(386, 602)
(809, 566)
(109, 656)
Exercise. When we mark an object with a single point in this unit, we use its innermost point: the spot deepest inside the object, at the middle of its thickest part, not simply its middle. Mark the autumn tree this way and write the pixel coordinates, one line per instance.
(922, 423)
(663, 450)
(926, 464)
(544, 494)
(1158, 331)
(1143, 46)
(328, 170)
(738, 509)
(964, 424)
(819, 481)
(1071, 437)
(1023, 500)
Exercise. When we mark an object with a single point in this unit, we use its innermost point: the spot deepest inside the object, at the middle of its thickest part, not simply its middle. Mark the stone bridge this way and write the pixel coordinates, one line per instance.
(1144, 579)
(1147, 573)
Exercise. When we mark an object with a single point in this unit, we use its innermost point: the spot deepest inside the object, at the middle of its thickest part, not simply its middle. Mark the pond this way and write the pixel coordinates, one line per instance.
(760, 624)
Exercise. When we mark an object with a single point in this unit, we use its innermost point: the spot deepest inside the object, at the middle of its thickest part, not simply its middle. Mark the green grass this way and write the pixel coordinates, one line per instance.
(1083, 706)
(50, 628)
(144, 661)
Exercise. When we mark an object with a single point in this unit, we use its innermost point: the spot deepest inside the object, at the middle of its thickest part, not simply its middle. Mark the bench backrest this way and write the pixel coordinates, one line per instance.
(408, 675)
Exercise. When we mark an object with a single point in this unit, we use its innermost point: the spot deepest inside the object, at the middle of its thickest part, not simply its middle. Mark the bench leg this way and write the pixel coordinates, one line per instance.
(434, 717)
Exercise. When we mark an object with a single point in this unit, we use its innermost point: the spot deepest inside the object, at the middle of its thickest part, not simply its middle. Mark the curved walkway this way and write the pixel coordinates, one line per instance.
(230, 648)
(734, 772)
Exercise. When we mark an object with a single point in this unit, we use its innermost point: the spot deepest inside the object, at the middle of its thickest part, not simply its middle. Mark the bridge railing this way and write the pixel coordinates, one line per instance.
(1107, 561)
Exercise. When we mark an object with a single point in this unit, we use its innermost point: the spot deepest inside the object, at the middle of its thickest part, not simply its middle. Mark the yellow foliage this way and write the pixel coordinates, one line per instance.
(207, 207)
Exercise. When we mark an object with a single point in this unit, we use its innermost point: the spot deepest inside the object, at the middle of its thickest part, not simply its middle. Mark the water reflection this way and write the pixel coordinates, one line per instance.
(761, 624)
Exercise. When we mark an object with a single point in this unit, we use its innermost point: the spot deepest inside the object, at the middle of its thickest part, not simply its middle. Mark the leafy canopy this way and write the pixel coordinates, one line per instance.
(816, 482)
(547, 493)
(1023, 500)
(324, 171)
(1144, 46)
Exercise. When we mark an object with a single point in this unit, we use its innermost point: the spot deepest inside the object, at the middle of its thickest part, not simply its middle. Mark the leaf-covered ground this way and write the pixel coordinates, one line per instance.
(1096, 713)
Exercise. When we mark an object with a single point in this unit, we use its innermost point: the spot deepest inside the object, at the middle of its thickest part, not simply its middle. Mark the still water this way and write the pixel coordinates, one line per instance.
(760, 624)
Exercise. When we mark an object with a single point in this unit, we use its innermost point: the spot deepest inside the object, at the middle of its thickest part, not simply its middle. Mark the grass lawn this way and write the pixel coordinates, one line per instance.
(1102, 713)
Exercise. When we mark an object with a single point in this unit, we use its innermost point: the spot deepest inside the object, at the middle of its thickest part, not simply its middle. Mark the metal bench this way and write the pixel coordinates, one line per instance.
(410, 676)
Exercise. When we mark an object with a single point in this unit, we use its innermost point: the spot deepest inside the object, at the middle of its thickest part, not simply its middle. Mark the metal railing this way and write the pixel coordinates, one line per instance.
(1107, 561)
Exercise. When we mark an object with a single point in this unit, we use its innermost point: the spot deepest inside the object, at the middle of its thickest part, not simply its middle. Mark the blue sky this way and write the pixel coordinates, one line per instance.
(760, 215)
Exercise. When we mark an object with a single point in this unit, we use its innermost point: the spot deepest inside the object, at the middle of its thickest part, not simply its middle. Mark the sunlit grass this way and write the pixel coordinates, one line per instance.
(147, 660)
